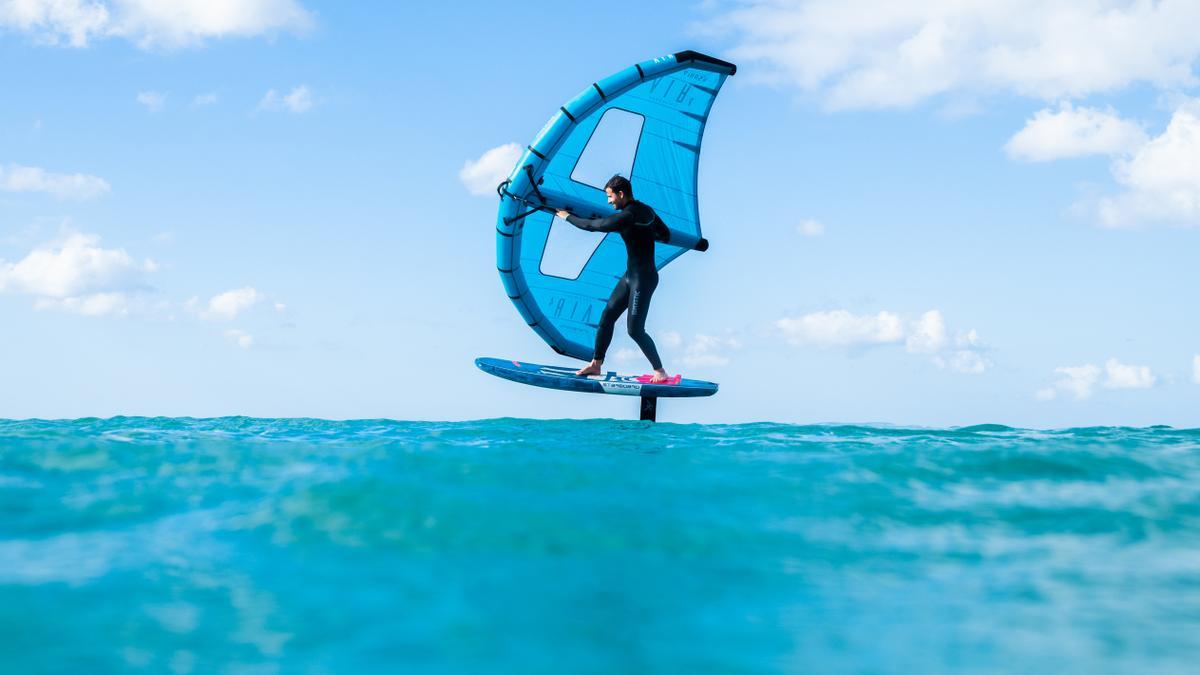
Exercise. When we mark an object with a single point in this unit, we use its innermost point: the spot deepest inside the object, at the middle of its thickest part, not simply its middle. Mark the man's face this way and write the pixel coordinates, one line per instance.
(616, 199)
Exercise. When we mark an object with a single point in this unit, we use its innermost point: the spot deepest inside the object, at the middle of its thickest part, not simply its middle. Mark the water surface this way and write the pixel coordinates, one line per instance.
(597, 546)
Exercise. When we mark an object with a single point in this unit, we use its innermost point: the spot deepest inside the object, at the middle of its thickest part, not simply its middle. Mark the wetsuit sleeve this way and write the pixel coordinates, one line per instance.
(613, 223)
(661, 233)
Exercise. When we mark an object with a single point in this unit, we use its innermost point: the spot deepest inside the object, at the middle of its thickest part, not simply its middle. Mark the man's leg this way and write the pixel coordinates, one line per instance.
(617, 302)
(640, 291)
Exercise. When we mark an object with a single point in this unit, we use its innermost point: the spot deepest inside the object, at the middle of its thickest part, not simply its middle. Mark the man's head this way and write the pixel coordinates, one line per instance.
(619, 191)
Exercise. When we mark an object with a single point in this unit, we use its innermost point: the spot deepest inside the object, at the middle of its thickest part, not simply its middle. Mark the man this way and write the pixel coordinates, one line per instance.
(639, 227)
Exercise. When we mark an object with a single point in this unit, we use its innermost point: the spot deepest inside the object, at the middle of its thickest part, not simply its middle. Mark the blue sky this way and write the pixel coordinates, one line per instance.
(920, 213)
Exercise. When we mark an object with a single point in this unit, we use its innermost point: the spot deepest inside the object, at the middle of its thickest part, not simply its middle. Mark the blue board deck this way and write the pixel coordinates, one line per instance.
(558, 377)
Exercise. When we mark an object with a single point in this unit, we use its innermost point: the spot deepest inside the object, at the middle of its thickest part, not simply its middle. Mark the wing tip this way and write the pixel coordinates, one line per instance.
(690, 55)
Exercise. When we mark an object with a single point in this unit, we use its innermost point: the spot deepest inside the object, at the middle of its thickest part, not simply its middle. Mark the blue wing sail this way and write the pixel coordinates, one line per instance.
(645, 122)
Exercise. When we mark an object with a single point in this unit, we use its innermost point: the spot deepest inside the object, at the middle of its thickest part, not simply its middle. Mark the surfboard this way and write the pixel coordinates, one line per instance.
(559, 377)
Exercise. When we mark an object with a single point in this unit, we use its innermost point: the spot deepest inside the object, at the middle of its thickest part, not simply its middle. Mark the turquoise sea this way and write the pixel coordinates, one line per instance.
(246, 545)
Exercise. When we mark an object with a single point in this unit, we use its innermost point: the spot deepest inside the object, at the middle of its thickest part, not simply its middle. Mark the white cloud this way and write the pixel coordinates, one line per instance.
(481, 176)
(56, 21)
(204, 100)
(964, 361)
(151, 23)
(17, 178)
(626, 355)
(74, 267)
(96, 304)
(811, 228)
(240, 337)
(709, 351)
(966, 356)
(1162, 178)
(863, 53)
(77, 275)
(670, 339)
(1081, 381)
(153, 100)
(840, 328)
(227, 305)
(927, 335)
(299, 100)
(1122, 376)
(1074, 132)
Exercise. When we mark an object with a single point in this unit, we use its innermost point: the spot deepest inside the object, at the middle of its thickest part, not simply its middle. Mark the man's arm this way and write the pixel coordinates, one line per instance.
(613, 223)
(661, 231)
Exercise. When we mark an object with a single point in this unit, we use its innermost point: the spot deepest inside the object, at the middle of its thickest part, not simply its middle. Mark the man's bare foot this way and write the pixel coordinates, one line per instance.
(592, 368)
(660, 375)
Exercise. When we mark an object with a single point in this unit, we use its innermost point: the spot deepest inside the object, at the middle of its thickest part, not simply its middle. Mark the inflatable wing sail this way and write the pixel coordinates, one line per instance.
(645, 123)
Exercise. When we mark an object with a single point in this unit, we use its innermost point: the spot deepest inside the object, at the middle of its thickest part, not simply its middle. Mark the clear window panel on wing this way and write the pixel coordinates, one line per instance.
(610, 150)
(568, 249)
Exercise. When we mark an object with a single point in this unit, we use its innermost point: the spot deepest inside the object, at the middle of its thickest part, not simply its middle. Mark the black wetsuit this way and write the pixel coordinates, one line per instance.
(639, 227)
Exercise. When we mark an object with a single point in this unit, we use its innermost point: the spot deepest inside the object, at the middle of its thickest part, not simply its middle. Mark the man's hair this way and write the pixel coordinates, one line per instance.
(619, 183)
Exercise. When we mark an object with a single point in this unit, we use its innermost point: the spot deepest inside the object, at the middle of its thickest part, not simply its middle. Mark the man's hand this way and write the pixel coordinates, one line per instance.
(561, 214)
